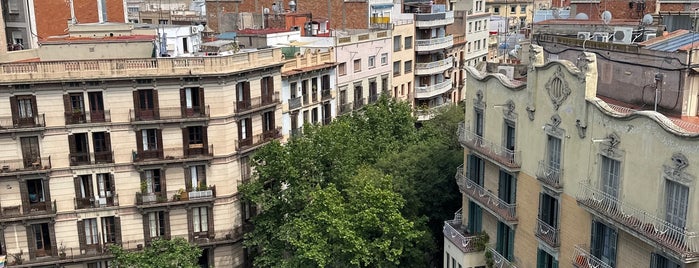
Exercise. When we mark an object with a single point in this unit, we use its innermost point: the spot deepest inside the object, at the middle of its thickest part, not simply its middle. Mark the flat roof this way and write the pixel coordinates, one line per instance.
(675, 41)
(122, 38)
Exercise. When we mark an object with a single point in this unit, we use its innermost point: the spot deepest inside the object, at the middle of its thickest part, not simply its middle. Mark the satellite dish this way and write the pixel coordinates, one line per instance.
(581, 16)
(606, 16)
(647, 19)
(265, 11)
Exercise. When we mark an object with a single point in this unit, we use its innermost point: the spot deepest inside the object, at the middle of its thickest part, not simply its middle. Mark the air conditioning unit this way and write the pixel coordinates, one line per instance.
(195, 29)
(650, 36)
(600, 37)
(584, 35)
(623, 35)
(508, 71)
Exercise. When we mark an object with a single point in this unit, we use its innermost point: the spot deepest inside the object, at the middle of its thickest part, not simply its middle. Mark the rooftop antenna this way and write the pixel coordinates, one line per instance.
(606, 17)
(647, 20)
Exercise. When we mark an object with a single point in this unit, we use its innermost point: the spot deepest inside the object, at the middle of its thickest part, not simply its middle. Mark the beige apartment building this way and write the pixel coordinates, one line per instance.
(124, 151)
(403, 55)
(559, 177)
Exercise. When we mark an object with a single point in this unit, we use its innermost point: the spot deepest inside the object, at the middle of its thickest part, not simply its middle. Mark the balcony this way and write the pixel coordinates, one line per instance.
(255, 103)
(583, 259)
(433, 90)
(500, 260)
(25, 211)
(434, 43)
(346, 107)
(550, 176)
(373, 98)
(96, 202)
(296, 132)
(359, 103)
(170, 113)
(456, 233)
(24, 166)
(485, 198)
(259, 139)
(178, 197)
(79, 159)
(86, 117)
(434, 67)
(547, 233)
(9, 123)
(295, 103)
(653, 230)
(427, 20)
(193, 152)
(326, 94)
(505, 158)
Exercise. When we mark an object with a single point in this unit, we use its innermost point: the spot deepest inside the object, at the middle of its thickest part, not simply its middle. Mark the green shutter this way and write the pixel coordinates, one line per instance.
(540, 259)
(555, 263)
(511, 244)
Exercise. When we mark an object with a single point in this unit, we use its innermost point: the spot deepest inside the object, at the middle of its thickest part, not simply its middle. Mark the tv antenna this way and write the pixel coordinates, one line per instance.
(606, 17)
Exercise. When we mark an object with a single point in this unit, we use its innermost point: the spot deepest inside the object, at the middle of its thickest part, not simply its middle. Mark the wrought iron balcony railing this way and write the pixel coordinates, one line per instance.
(325, 94)
(84, 117)
(640, 223)
(38, 164)
(257, 102)
(175, 154)
(96, 202)
(345, 107)
(359, 103)
(508, 158)
(198, 195)
(583, 259)
(169, 113)
(78, 159)
(295, 103)
(549, 175)
(260, 138)
(547, 233)
(488, 200)
(455, 232)
(9, 122)
(499, 260)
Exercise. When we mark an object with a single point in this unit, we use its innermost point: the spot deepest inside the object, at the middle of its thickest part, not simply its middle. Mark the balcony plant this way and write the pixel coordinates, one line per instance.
(17, 257)
(202, 187)
(144, 187)
(62, 251)
(481, 240)
(489, 262)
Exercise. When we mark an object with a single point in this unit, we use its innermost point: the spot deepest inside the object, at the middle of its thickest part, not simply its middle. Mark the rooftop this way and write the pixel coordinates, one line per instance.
(587, 22)
(675, 41)
(263, 31)
(124, 38)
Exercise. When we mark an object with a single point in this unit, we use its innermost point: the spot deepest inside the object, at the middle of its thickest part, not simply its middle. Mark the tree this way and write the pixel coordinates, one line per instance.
(161, 253)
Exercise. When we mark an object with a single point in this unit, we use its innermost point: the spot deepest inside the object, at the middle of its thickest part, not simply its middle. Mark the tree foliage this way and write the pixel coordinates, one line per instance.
(348, 194)
(161, 253)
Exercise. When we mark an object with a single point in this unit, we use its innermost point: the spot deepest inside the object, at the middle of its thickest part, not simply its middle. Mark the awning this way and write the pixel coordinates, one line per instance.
(382, 6)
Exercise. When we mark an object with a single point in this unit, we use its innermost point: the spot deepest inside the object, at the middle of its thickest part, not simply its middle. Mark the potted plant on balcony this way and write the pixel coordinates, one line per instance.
(481, 240)
(77, 115)
(202, 187)
(489, 262)
(62, 251)
(17, 257)
(184, 195)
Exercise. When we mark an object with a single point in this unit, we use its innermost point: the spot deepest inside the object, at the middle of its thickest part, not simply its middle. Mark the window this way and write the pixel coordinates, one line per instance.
(245, 129)
(469, 47)
(475, 218)
(42, 239)
(660, 261)
(478, 122)
(496, 9)
(90, 229)
(470, 27)
(545, 260)
(111, 230)
(156, 224)
(507, 187)
(242, 90)
(195, 135)
(384, 58)
(149, 139)
(396, 43)
(195, 177)
(372, 61)
(268, 121)
(384, 84)
(553, 152)
(151, 178)
(408, 42)
(23, 110)
(476, 168)
(79, 150)
(505, 241)
(447, 259)
(146, 99)
(676, 196)
(314, 115)
(611, 170)
(342, 69)
(13, 6)
(523, 9)
(304, 91)
(96, 106)
(510, 136)
(293, 87)
(30, 151)
(408, 66)
(325, 82)
(192, 97)
(36, 193)
(548, 212)
(100, 264)
(200, 219)
(267, 89)
(305, 117)
(513, 9)
(357, 65)
(603, 244)
(396, 68)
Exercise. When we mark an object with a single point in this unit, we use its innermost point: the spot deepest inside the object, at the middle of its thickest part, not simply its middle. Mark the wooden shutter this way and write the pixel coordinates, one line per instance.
(72, 147)
(35, 112)
(248, 127)
(112, 184)
(210, 221)
(107, 142)
(188, 179)
(201, 173)
(246, 93)
(67, 106)
(612, 247)
(166, 220)
(136, 103)
(190, 223)
(146, 229)
(78, 192)
(31, 241)
(159, 136)
(205, 140)
(163, 188)
(183, 101)
(117, 230)
(24, 195)
(202, 103)
(81, 234)
(156, 105)
(240, 129)
(14, 108)
(185, 140)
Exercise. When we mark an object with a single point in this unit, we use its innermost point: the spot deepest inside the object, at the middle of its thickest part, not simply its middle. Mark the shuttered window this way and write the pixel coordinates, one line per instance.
(611, 170)
(200, 219)
(676, 198)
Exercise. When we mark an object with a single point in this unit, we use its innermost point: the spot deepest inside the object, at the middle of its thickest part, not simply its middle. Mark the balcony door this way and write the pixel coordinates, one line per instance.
(24, 110)
(676, 200)
(603, 243)
(149, 143)
(553, 153)
(79, 149)
(476, 169)
(30, 152)
(507, 186)
(548, 210)
(195, 178)
(267, 89)
(611, 171)
(146, 104)
(74, 108)
(96, 106)
(192, 101)
(243, 95)
(101, 143)
(41, 237)
(505, 243)
(475, 218)
(151, 182)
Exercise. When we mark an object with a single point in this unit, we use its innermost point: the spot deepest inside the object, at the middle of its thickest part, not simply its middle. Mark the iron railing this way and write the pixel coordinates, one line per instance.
(77, 159)
(456, 233)
(169, 113)
(83, 117)
(508, 158)
(201, 194)
(9, 122)
(644, 224)
(583, 259)
(295, 103)
(260, 138)
(22, 165)
(346, 107)
(499, 260)
(96, 202)
(257, 102)
(547, 233)
(359, 103)
(326, 94)
(485, 197)
(174, 153)
(549, 175)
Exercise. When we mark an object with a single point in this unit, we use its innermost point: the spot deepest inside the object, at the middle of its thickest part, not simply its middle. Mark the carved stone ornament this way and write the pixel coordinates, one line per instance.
(583, 64)
(612, 141)
(581, 128)
(557, 88)
(530, 113)
(509, 110)
(675, 171)
(478, 101)
(553, 128)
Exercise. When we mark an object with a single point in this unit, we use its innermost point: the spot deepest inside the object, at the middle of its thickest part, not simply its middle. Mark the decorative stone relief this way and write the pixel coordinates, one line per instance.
(557, 88)
(536, 56)
(553, 128)
(509, 110)
(610, 147)
(583, 63)
(675, 171)
(478, 101)
(530, 113)
(581, 128)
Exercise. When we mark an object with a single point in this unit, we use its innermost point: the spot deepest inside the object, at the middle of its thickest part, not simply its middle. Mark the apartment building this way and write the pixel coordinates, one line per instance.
(471, 20)
(559, 177)
(308, 90)
(433, 64)
(403, 56)
(28, 21)
(123, 151)
(519, 13)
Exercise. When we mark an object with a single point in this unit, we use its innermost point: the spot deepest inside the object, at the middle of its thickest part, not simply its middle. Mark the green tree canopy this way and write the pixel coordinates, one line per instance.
(161, 253)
